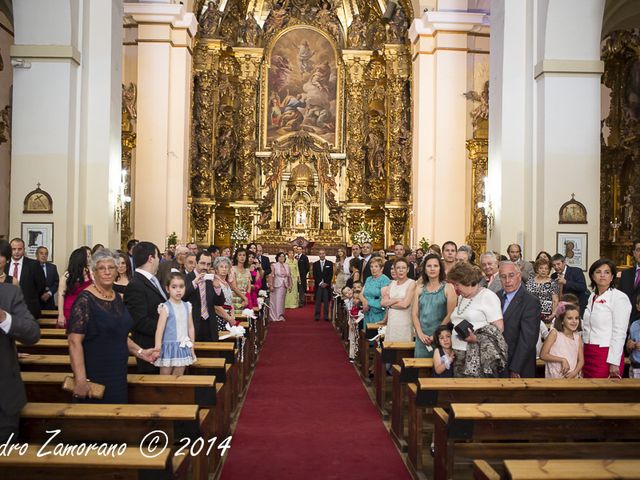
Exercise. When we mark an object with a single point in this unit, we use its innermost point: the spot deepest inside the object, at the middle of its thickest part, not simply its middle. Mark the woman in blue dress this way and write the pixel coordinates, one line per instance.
(434, 301)
(371, 293)
(98, 332)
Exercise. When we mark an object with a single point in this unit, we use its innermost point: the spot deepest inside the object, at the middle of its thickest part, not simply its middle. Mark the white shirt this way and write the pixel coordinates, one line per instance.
(605, 322)
(6, 324)
(346, 264)
(12, 266)
(479, 311)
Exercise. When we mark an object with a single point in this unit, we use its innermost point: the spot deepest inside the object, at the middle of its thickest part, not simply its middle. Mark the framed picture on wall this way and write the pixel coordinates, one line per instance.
(574, 247)
(37, 235)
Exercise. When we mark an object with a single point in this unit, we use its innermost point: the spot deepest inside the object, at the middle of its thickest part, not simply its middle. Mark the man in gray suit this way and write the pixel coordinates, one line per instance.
(489, 266)
(521, 314)
(16, 323)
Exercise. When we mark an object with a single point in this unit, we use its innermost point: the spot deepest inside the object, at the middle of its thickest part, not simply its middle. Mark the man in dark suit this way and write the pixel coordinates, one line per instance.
(16, 323)
(142, 297)
(521, 315)
(630, 279)
(570, 280)
(322, 276)
(366, 256)
(29, 275)
(130, 244)
(199, 288)
(265, 263)
(303, 268)
(51, 278)
(399, 252)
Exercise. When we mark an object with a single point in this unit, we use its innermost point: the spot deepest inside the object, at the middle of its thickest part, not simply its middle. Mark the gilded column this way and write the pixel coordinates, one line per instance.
(249, 60)
(478, 149)
(356, 62)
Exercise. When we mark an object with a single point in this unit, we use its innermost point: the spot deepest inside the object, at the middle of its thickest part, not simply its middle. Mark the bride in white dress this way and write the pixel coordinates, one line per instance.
(397, 298)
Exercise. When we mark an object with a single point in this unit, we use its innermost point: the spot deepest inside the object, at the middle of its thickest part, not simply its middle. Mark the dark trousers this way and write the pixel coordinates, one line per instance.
(207, 330)
(8, 425)
(322, 298)
(302, 290)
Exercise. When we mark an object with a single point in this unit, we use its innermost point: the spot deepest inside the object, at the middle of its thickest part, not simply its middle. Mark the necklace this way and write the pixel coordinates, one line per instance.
(460, 312)
(102, 293)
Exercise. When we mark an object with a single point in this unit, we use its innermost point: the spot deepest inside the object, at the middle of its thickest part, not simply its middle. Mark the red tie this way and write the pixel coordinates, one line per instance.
(15, 270)
(637, 282)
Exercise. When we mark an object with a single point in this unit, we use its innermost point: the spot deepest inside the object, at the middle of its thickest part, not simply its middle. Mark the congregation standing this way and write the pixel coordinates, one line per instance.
(491, 320)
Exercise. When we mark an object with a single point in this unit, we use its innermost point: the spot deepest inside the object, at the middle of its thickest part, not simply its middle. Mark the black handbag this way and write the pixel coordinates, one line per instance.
(462, 329)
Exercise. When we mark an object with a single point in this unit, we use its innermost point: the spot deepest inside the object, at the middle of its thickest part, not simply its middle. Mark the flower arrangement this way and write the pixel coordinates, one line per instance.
(239, 234)
(424, 244)
(363, 235)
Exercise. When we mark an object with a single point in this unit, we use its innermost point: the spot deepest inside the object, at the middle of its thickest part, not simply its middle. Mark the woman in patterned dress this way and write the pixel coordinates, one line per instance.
(242, 278)
(543, 287)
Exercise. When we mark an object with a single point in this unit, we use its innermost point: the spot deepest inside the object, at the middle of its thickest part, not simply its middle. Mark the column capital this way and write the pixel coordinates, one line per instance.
(460, 22)
(164, 21)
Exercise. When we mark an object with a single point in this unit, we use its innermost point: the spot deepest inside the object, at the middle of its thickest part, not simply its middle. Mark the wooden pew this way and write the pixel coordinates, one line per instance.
(131, 465)
(572, 469)
(393, 353)
(49, 323)
(365, 337)
(49, 313)
(52, 332)
(537, 430)
(408, 370)
(429, 393)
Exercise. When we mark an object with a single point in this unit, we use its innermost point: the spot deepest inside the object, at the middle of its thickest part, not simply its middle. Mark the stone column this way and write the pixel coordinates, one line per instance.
(66, 118)
(165, 37)
(440, 71)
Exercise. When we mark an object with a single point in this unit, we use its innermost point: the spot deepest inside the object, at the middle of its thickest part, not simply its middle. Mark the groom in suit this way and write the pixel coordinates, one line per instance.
(322, 276)
(630, 279)
(142, 297)
(521, 314)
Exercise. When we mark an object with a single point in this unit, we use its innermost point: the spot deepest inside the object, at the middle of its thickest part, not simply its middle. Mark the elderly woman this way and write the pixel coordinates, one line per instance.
(544, 287)
(605, 323)
(280, 283)
(223, 302)
(372, 293)
(98, 331)
(480, 349)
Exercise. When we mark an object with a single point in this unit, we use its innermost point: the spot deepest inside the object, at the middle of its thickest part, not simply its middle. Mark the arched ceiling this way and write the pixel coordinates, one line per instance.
(620, 15)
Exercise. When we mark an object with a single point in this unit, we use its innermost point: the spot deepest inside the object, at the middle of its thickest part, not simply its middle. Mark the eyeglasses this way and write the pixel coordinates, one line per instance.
(105, 268)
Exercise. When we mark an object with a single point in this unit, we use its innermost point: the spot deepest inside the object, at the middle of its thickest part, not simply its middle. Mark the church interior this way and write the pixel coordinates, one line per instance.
(326, 124)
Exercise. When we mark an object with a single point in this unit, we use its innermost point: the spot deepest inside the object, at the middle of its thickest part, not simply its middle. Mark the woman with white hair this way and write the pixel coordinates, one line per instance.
(98, 331)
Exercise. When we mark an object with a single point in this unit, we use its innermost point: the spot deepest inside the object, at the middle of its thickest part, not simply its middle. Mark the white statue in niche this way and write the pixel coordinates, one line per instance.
(300, 216)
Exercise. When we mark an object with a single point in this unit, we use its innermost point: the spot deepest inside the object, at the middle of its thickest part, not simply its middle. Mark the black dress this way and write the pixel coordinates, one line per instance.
(105, 325)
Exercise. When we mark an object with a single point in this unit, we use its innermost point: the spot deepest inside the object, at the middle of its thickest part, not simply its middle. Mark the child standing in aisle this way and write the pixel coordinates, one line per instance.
(175, 333)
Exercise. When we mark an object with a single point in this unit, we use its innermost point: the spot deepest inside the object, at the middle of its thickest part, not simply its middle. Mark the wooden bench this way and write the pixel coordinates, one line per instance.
(560, 470)
(390, 353)
(365, 337)
(429, 393)
(533, 431)
(50, 323)
(408, 370)
(130, 465)
(52, 332)
(49, 313)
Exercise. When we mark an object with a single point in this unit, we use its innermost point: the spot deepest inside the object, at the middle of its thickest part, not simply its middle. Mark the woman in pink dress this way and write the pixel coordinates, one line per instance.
(280, 283)
(255, 269)
(72, 283)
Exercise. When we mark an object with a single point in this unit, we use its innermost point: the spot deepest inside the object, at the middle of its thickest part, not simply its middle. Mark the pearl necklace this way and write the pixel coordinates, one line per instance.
(460, 312)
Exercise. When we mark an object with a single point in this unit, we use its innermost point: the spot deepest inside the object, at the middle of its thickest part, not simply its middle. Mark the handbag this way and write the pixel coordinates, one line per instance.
(96, 389)
(462, 329)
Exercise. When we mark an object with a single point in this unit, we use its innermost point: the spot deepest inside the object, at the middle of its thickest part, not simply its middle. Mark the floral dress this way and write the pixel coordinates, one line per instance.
(243, 282)
(544, 292)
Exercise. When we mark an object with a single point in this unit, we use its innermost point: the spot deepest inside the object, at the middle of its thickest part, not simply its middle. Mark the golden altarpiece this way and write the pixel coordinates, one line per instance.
(301, 121)
(620, 141)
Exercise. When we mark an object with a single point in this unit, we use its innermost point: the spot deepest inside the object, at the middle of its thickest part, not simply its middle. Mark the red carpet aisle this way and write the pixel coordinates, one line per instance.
(307, 415)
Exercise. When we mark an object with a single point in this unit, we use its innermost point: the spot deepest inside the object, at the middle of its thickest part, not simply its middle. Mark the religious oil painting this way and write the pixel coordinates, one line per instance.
(574, 247)
(302, 86)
